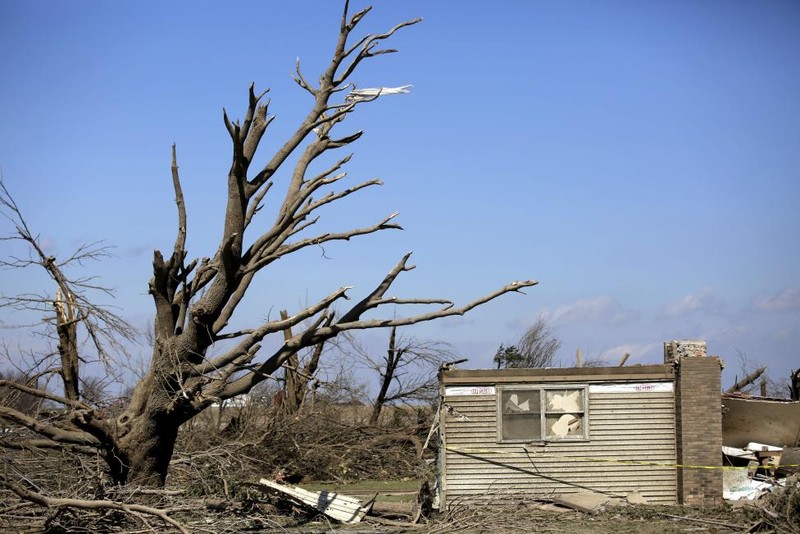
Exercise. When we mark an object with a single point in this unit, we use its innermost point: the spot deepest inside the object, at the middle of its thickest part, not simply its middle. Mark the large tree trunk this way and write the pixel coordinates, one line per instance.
(148, 430)
(148, 448)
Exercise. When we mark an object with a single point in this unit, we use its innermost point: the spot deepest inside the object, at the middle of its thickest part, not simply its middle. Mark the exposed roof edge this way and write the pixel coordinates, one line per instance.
(560, 374)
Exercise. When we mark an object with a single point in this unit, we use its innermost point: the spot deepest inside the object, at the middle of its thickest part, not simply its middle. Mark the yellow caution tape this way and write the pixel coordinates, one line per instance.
(475, 452)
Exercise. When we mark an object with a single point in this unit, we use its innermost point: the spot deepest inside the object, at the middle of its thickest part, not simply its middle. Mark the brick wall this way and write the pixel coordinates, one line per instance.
(698, 416)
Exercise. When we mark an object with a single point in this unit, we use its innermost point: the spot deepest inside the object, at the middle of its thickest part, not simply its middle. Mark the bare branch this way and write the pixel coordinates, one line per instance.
(49, 431)
(42, 394)
(368, 48)
(133, 509)
(48, 444)
(318, 240)
(300, 79)
(377, 294)
(255, 203)
(269, 328)
(351, 320)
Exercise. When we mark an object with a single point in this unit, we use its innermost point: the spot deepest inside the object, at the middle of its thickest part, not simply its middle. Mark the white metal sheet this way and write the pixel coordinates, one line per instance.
(642, 387)
(465, 391)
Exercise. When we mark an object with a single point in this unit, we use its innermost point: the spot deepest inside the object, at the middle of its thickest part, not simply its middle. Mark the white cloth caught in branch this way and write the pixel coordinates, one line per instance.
(358, 95)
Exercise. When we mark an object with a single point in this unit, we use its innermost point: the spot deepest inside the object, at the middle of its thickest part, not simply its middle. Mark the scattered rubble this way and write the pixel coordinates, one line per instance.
(760, 445)
(790, 461)
(737, 484)
(585, 501)
(591, 502)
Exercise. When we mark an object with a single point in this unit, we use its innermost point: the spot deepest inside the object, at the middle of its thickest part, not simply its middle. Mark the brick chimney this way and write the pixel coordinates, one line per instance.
(698, 421)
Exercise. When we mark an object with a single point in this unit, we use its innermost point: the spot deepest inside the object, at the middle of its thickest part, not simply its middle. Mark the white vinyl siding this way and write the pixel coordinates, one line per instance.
(631, 447)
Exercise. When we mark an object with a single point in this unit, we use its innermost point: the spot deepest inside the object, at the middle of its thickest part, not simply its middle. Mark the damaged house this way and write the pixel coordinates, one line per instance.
(649, 429)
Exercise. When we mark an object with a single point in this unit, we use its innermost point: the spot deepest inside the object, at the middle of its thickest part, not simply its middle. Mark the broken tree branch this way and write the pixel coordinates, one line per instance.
(53, 502)
(746, 381)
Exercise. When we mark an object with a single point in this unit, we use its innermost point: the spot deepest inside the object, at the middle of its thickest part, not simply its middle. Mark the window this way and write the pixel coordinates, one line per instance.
(542, 414)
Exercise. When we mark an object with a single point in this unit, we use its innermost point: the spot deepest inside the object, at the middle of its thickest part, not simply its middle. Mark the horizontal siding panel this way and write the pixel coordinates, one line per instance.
(659, 481)
(600, 439)
(484, 479)
(654, 434)
(635, 425)
(626, 432)
(561, 472)
(489, 478)
(493, 494)
(559, 469)
(630, 416)
(598, 484)
(546, 486)
(629, 398)
(643, 461)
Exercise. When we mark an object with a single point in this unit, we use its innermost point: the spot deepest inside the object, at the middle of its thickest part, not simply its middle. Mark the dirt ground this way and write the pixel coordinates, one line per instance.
(638, 519)
(213, 516)
(630, 520)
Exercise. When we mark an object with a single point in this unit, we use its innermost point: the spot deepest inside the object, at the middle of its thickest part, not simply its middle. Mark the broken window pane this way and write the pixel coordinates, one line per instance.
(563, 426)
(521, 413)
(564, 417)
(542, 413)
(565, 400)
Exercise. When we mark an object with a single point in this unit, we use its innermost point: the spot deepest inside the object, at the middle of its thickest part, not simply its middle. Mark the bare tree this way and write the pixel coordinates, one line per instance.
(298, 375)
(538, 345)
(793, 386)
(13, 396)
(196, 299)
(406, 372)
(536, 348)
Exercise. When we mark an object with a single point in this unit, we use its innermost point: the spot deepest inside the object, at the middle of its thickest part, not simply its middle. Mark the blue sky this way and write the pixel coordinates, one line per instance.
(640, 159)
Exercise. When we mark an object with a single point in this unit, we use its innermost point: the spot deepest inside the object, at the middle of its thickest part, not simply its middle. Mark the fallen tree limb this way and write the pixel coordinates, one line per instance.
(746, 381)
(53, 502)
(706, 521)
(393, 523)
(392, 510)
(146, 491)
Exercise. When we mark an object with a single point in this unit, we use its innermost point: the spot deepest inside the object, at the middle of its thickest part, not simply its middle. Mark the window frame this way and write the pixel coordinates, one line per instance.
(543, 412)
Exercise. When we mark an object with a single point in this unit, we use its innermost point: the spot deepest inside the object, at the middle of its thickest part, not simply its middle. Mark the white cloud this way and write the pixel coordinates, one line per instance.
(603, 309)
(706, 300)
(787, 300)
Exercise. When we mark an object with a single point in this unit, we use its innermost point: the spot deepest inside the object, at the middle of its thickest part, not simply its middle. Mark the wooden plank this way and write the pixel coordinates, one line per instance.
(481, 377)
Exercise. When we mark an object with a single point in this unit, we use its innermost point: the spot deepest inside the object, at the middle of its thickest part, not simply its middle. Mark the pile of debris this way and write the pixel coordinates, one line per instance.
(761, 445)
(756, 469)
(349, 509)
